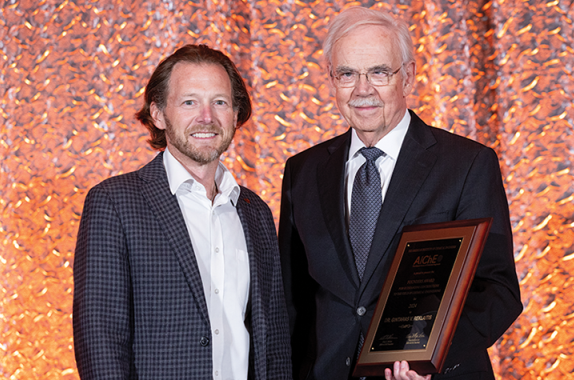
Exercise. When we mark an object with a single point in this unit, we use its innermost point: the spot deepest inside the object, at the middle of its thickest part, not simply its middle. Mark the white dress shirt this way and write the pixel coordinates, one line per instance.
(390, 144)
(220, 250)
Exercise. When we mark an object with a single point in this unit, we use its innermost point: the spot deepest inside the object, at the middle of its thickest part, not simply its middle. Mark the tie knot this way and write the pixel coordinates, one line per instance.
(372, 153)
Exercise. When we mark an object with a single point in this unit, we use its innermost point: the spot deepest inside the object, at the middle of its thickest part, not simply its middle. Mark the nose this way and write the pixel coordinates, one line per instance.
(206, 114)
(363, 86)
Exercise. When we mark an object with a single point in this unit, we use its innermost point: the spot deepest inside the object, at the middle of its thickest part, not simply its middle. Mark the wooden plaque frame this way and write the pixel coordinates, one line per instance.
(469, 236)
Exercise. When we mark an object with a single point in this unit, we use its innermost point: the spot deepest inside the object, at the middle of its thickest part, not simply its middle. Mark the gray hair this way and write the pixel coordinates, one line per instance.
(352, 18)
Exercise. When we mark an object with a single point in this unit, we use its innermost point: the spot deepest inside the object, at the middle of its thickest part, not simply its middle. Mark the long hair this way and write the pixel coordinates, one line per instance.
(157, 88)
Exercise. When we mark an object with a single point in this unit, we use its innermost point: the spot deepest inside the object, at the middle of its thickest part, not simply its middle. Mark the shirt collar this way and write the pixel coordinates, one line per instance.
(390, 144)
(178, 175)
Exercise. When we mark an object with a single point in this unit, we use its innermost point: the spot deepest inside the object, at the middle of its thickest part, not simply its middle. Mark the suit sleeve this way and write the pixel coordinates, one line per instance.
(288, 241)
(298, 284)
(493, 302)
(102, 314)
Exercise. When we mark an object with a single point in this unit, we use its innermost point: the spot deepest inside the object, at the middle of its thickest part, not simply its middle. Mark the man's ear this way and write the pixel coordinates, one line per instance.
(410, 77)
(332, 87)
(157, 116)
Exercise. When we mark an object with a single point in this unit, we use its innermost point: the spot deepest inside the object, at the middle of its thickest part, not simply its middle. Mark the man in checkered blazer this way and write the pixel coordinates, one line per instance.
(177, 272)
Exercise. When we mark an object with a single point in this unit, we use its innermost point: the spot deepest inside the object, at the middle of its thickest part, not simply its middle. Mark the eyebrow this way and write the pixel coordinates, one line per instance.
(381, 67)
(195, 94)
(378, 67)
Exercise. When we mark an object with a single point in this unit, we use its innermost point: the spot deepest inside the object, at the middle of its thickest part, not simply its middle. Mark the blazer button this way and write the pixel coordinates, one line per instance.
(361, 311)
(348, 362)
(204, 341)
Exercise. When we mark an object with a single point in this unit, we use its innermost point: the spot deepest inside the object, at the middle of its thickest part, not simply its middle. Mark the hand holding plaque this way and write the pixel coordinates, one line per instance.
(423, 296)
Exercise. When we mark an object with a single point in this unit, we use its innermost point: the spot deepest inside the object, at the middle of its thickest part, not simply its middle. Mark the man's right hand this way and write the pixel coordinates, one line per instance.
(401, 371)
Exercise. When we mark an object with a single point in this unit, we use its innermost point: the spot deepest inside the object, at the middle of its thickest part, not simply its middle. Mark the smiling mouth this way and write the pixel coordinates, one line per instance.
(203, 135)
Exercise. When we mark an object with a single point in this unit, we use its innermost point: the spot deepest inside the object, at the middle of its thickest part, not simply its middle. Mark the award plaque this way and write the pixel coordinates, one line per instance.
(422, 297)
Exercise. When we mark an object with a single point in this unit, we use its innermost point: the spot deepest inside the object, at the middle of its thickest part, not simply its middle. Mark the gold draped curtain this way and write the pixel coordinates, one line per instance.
(72, 75)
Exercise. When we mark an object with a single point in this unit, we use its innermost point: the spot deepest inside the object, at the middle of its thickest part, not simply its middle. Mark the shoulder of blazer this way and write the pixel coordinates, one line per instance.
(152, 171)
(325, 148)
(319, 155)
(248, 200)
(429, 137)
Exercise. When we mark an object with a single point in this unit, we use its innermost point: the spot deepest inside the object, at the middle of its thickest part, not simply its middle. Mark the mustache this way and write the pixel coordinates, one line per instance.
(366, 102)
(210, 128)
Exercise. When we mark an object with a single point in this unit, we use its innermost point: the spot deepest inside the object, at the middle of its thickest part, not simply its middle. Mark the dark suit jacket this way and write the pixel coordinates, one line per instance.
(139, 305)
(438, 177)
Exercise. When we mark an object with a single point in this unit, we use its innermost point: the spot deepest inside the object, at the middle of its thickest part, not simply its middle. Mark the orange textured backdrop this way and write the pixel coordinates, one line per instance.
(72, 75)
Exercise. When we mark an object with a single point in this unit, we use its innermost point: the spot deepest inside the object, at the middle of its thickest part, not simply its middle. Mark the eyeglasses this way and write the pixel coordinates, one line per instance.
(376, 77)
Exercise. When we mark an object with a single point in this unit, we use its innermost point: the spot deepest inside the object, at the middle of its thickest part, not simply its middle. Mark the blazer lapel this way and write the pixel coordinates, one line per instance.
(331, 185)
(256, 310)
(247, 217)
(411, 170)
(166, 208)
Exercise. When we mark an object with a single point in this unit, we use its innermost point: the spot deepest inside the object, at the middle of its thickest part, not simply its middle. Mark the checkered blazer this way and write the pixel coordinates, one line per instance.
(139, 305)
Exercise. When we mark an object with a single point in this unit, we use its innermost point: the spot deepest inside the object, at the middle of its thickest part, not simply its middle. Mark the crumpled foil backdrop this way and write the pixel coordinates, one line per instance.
(72, 75)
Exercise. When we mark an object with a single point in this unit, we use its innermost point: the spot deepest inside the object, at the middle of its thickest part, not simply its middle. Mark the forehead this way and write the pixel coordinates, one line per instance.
(189, 77)
(365, 47)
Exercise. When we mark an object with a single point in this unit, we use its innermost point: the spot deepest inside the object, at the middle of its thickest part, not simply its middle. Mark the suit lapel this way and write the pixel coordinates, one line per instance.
(411, 170)
(166, 208)
(255, 316)
(331, 185)
(247, 217)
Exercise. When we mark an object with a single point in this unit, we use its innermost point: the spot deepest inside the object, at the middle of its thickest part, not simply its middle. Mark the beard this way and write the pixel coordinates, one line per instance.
(204, 155)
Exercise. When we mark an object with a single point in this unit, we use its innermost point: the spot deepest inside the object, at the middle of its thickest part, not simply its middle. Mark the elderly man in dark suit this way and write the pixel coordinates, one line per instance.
(345, 202)
(177, 271)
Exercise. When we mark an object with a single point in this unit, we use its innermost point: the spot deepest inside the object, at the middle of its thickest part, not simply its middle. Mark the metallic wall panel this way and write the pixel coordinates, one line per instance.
(72, 75)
